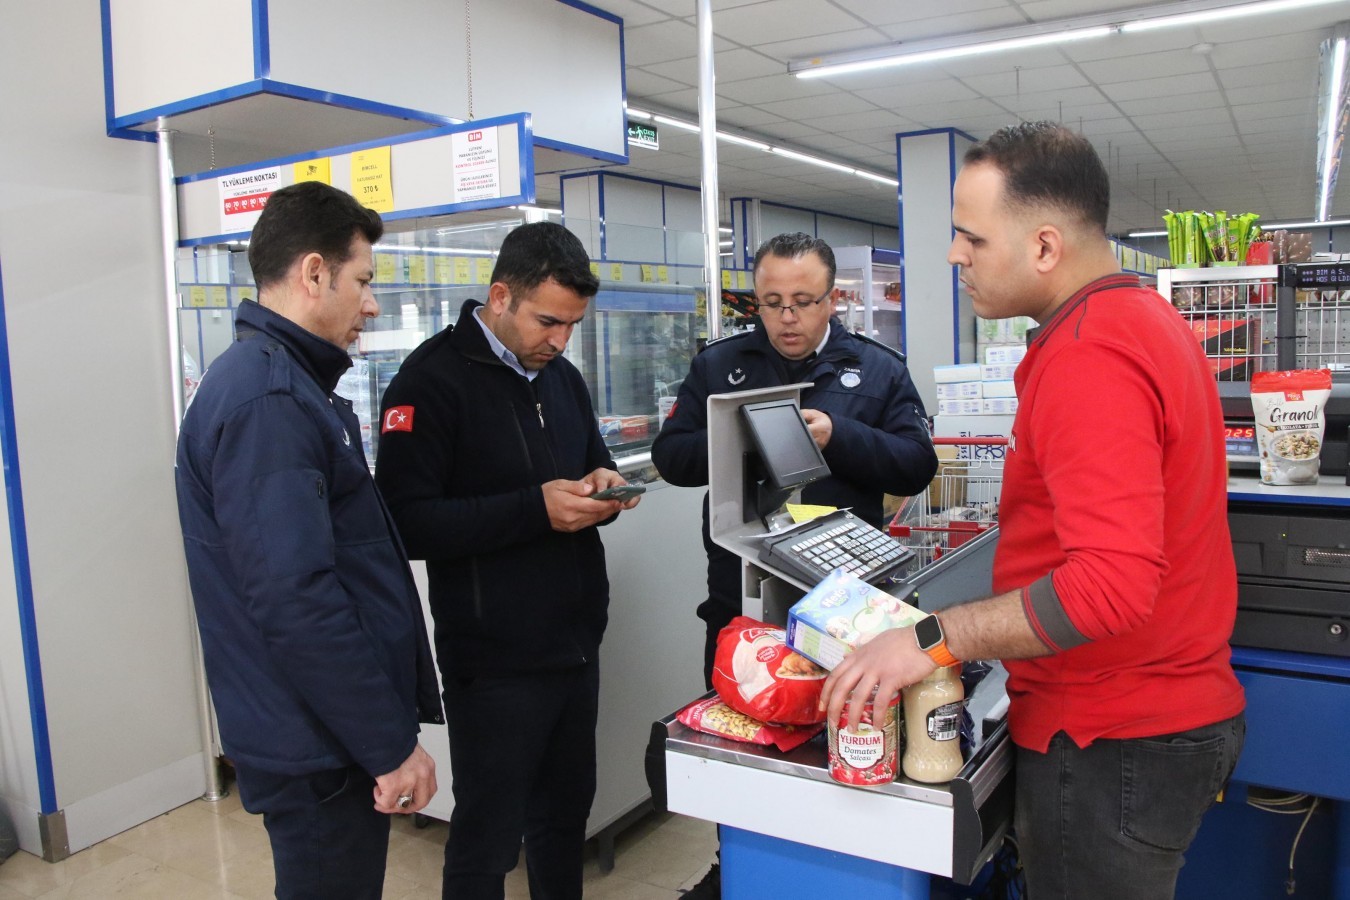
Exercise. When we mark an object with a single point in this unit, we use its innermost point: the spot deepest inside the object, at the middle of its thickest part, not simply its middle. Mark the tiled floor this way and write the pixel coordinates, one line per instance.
(217, 851)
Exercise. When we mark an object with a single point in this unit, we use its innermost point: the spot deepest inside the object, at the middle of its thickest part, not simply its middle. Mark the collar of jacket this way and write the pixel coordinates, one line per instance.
(469, 337)
(324, 361)
(838, 348)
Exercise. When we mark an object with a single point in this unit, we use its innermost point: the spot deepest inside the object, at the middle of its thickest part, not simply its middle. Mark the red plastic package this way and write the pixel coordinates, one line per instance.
(757, 673)
(712, 716)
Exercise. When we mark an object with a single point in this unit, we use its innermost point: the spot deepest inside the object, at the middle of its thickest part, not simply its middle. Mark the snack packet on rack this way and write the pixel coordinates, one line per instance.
(712, 716)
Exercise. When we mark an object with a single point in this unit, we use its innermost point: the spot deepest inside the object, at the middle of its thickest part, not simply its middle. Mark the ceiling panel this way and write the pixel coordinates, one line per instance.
(1230, 125)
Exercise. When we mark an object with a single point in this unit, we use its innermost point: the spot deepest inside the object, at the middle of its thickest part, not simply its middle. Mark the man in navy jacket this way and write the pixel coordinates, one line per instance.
(312, 633)
(489, 454)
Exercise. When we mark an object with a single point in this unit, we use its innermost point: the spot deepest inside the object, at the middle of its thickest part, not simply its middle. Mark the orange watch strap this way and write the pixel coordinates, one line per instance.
(941, 655)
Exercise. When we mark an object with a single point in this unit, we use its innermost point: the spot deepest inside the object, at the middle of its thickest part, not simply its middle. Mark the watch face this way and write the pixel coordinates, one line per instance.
(928, 632)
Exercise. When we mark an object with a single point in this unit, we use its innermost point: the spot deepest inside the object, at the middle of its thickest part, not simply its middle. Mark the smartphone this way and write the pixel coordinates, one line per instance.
(620, 492)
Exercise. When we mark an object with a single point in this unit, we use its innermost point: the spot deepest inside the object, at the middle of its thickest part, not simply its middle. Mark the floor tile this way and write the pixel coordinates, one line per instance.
(217, 851)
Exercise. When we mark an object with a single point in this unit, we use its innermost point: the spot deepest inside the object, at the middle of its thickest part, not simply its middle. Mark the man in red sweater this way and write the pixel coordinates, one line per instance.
(1114, 584)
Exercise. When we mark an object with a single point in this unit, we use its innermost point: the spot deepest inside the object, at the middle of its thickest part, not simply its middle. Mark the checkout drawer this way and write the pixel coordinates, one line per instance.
(1295, 732)
(1311, 546)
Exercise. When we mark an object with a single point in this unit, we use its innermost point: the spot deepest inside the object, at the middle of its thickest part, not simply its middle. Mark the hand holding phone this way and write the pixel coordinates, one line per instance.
(620, 492)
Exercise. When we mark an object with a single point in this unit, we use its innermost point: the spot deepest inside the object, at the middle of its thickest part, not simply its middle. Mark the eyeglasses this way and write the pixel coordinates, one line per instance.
(798, 308)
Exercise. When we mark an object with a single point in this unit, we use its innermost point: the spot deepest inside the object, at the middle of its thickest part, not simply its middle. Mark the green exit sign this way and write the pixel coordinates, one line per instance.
(643, 136)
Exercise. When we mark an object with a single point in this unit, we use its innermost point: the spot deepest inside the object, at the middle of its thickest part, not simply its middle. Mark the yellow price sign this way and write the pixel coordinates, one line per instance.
(616, 271)
(197, 296)
(386, 264)
(663, 275)
(320, 169)
(463, 270)
(443, 269)
(417, 269)
(372, 183)
(595, 269)
(726, 279)
(648, 273)
(740, 279)
(220, 296)
(484, 267)
(247, 293)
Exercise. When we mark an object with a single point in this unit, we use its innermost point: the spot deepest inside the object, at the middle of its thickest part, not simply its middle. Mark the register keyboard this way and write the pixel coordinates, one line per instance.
(839, 540)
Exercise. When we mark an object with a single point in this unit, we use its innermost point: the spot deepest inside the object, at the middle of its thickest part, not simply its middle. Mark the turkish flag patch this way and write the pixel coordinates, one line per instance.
(397, 418)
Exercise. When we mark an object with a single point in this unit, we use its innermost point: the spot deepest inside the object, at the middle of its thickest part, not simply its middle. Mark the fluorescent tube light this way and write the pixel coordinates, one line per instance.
(548, 211)
(1055, 31)
(724, 229)
(764, 147)
(923, 56)
(1333, 117)
(814, 160)
(870, 176)
(675, 123)
(636, 113)
(1222, 13)
(744, 142)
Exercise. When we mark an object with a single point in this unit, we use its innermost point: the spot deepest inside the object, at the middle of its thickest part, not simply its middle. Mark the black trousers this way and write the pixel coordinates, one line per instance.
(522, 758)
(715, 616)
(328, 842)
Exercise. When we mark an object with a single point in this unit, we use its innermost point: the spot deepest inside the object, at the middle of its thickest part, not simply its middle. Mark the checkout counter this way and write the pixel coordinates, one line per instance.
(788, 829)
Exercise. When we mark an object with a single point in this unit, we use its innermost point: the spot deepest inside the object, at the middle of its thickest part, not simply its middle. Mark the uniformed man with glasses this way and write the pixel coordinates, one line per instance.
(862, 409)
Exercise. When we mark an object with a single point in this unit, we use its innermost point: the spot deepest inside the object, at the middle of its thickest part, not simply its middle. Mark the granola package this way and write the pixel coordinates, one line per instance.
(1290, 423)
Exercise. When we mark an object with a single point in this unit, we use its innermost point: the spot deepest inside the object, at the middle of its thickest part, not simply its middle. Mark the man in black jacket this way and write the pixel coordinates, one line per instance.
(312, 633)
(489, 454)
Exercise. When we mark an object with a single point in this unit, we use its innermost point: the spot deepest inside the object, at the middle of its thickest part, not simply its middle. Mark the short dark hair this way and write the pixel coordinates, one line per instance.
(532, 254)
(309, 217)
(1046, 164)
(791, 246)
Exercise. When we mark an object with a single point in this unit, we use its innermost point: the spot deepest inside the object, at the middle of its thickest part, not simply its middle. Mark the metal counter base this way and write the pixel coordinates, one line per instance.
(895, 835)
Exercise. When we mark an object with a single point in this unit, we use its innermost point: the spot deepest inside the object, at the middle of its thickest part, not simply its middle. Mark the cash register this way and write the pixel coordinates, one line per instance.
(784, 459)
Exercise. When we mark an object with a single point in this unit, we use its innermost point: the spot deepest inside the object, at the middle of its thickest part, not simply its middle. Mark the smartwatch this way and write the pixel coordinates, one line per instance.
(931, 640)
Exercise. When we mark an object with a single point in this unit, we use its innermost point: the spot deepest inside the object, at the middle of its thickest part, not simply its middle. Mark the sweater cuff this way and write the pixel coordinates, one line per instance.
(1047, 617)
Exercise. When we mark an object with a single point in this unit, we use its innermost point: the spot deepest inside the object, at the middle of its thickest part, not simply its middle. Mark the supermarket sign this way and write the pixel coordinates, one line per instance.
(243, 196)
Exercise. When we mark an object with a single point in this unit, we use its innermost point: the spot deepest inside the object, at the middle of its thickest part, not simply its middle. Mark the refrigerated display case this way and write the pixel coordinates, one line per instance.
(867, 294)
(633, 348)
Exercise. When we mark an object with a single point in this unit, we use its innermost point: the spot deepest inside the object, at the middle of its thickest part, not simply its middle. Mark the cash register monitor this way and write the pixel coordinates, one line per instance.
(786, 456)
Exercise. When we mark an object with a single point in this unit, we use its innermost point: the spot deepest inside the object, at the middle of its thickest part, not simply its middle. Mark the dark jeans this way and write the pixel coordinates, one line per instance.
(1111, 822)
(328, 842)
(522, 757)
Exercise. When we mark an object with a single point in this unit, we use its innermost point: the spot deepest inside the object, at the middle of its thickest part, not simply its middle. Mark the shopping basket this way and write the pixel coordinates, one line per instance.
(960, 503)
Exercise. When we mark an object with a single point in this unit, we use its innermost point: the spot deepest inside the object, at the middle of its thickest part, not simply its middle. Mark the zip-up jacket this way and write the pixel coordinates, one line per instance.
(879, 444)
(463, 474)
(312, 632)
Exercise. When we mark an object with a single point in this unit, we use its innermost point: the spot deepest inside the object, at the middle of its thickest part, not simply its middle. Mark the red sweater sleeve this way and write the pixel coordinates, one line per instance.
(1098, 426)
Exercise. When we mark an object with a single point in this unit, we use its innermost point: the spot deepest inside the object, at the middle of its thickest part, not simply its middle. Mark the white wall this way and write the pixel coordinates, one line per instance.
(83, 294)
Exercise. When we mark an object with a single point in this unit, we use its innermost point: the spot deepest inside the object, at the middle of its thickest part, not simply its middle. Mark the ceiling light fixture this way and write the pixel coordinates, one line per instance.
(1058, 31)
(1333, 101)
(548, 211)
(768, 148)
